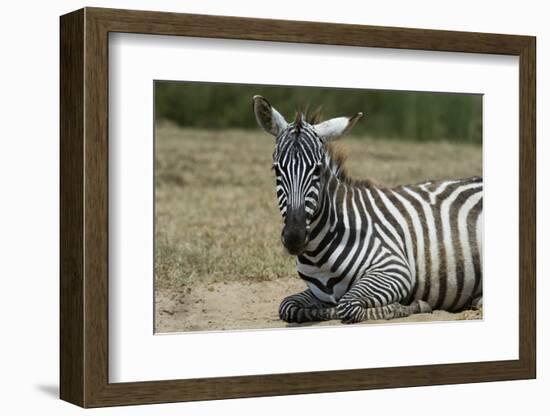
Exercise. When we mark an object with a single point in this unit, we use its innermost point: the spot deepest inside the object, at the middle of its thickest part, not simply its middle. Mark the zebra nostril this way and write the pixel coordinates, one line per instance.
(294, 239)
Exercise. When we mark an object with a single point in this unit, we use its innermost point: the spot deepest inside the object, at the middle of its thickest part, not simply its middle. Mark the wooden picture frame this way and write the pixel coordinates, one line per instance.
(84, 207)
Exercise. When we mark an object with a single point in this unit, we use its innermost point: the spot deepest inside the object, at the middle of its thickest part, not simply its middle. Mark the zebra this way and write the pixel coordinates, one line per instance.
(365, 251)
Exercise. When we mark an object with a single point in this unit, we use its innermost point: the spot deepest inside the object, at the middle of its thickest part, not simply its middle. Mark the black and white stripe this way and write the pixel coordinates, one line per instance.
(372, 252)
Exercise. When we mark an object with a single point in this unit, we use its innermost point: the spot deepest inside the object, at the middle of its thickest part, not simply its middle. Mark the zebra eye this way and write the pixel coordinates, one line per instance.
(317, 170)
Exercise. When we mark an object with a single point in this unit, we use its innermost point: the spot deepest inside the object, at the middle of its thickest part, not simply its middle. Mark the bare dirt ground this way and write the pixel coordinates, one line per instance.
(212, 307)
(219, 262)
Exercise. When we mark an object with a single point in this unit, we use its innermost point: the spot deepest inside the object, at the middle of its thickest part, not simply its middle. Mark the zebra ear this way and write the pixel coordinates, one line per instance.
(267, 117)
(335, 128)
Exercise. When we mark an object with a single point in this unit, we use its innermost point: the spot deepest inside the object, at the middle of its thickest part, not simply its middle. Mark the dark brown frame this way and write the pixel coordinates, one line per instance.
(84, 207)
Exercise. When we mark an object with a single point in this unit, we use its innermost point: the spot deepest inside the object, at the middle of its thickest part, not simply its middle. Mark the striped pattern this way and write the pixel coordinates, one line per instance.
(297, 165)
(374, 252)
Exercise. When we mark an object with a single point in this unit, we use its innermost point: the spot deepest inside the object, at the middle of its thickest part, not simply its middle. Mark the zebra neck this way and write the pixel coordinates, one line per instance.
(330, 178)
(334, 166)
(338, 203)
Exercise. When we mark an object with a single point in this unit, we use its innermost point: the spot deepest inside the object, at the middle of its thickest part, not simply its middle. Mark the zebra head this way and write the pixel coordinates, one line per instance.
(299, 163)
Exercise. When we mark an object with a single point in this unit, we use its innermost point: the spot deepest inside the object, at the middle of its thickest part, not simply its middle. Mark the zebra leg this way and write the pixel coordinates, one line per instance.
(372, 298)
(354, 311)
(305, 307)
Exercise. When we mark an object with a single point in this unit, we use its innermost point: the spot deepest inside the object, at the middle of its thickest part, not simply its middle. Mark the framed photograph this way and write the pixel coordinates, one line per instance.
(255, 207)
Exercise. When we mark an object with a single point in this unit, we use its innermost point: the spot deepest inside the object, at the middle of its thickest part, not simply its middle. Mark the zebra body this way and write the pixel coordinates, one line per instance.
(366, 251)
(430, 234)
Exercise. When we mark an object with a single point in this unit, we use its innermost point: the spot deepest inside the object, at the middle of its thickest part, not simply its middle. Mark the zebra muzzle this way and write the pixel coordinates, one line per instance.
(295, 233)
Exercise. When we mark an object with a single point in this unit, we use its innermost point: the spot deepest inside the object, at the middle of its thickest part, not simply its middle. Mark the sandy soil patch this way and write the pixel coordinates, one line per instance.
(247, 305)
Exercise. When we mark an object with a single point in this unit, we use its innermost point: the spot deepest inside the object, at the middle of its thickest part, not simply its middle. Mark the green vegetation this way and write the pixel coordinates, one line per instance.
(411, 116)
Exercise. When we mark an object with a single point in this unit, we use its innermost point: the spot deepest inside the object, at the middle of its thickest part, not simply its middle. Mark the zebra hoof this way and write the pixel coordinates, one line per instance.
(292, 315)
(351, 312)
(419, 306)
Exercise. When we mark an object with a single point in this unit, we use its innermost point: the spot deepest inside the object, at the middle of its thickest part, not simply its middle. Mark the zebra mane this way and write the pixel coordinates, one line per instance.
(310, 117)
(336, 161)
(336, 153)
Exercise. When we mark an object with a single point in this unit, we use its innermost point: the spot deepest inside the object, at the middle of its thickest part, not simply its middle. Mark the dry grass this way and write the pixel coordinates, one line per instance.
(216, 213)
